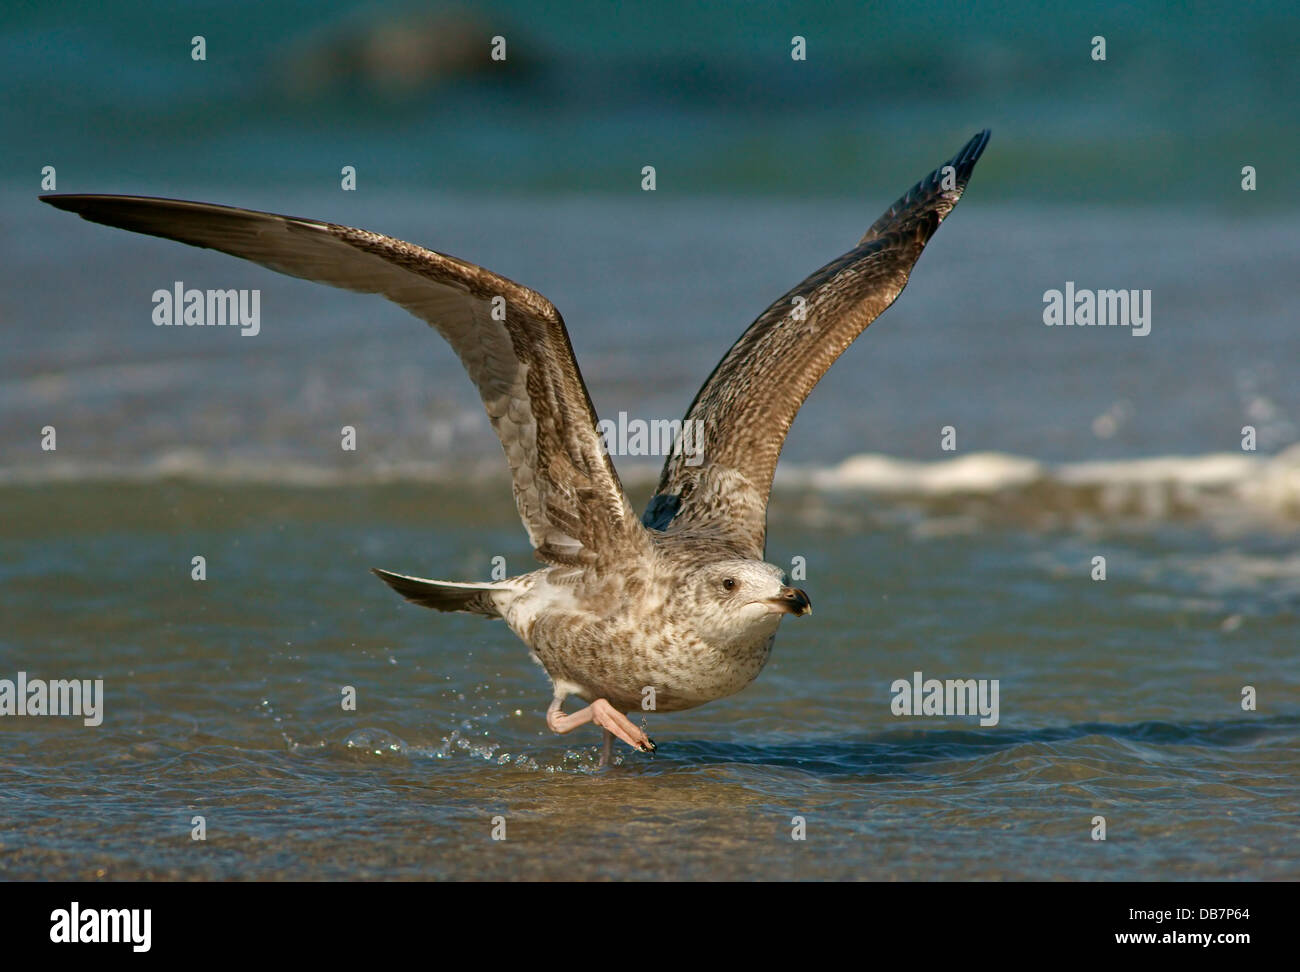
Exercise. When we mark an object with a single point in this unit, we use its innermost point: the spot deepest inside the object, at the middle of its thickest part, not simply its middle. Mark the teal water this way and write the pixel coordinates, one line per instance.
(222, 699)
(290, 92)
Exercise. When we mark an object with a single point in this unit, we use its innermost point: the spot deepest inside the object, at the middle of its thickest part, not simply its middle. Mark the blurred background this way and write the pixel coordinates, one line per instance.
(1123, 173)
(1121, 698)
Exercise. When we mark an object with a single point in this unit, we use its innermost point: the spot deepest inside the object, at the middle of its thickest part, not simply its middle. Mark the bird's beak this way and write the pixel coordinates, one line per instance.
(793, 601)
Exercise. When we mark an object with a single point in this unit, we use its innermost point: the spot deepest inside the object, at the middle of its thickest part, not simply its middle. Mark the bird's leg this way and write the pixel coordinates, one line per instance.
(605, 716)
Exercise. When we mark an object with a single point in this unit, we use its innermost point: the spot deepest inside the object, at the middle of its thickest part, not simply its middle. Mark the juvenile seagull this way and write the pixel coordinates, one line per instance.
(676, 608)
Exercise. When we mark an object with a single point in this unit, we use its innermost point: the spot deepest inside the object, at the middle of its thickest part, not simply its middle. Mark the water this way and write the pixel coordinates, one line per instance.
(1120, 698)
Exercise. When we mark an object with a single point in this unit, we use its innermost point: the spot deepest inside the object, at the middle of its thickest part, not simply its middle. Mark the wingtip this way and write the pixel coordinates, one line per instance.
(936, 194)
(80, 203)
(59, 200)
(970, 153)
(964, 161)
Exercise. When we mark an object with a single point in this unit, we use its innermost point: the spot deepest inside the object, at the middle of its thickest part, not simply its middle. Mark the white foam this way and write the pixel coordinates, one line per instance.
(979, 472)
(1214, 484)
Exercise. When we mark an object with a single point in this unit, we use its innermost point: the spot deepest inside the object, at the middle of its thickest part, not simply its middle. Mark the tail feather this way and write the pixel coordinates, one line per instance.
(443, 595)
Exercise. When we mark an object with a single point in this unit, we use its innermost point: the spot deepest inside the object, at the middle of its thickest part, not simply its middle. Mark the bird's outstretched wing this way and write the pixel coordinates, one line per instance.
(568, 494)
(747, 405)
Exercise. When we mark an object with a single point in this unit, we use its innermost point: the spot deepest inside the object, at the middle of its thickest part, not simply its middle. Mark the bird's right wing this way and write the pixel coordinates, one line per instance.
(568, 494)
(720, 488)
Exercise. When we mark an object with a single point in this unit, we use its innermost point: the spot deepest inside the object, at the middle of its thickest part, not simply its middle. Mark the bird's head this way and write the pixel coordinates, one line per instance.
(733, 599)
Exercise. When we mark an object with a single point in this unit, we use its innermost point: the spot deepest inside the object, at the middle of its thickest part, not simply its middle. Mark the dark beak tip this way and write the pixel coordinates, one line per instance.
(799, 602)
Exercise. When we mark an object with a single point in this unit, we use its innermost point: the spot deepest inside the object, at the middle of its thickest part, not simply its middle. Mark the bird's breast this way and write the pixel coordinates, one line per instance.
(651, 666)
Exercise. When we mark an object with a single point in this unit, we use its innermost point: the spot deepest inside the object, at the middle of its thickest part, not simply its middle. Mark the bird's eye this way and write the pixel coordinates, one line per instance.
(729, 584)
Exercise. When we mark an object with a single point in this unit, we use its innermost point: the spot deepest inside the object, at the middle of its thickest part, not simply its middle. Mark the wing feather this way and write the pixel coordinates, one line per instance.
(566, 489)
(747, 405)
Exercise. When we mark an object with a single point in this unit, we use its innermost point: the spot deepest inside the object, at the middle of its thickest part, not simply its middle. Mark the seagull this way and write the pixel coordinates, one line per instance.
(663, 612)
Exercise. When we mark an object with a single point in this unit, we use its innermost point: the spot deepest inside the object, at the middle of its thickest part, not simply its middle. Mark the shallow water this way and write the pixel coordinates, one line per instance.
(222, 699)
(1118, 698)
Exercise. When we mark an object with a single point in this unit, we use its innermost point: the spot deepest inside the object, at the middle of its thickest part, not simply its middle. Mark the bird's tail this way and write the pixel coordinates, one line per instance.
(445, 595)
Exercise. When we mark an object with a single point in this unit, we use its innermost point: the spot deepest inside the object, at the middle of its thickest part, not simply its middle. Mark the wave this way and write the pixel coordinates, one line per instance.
(1255, 480)
(1214, 485)
(1225, 486)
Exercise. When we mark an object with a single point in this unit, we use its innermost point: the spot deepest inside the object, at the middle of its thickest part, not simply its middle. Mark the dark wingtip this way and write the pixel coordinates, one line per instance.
(60, 200)
(964, 161)
(928, 199)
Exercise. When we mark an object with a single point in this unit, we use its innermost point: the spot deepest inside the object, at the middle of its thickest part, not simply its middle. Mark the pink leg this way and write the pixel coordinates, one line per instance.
(604, 715)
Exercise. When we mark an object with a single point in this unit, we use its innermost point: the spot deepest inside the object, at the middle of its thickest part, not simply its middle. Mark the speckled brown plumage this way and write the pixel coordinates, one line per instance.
(749, 402)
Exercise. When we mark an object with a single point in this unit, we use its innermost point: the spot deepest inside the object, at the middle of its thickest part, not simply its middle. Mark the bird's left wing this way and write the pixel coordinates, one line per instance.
(568, 494)
(746, 406)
